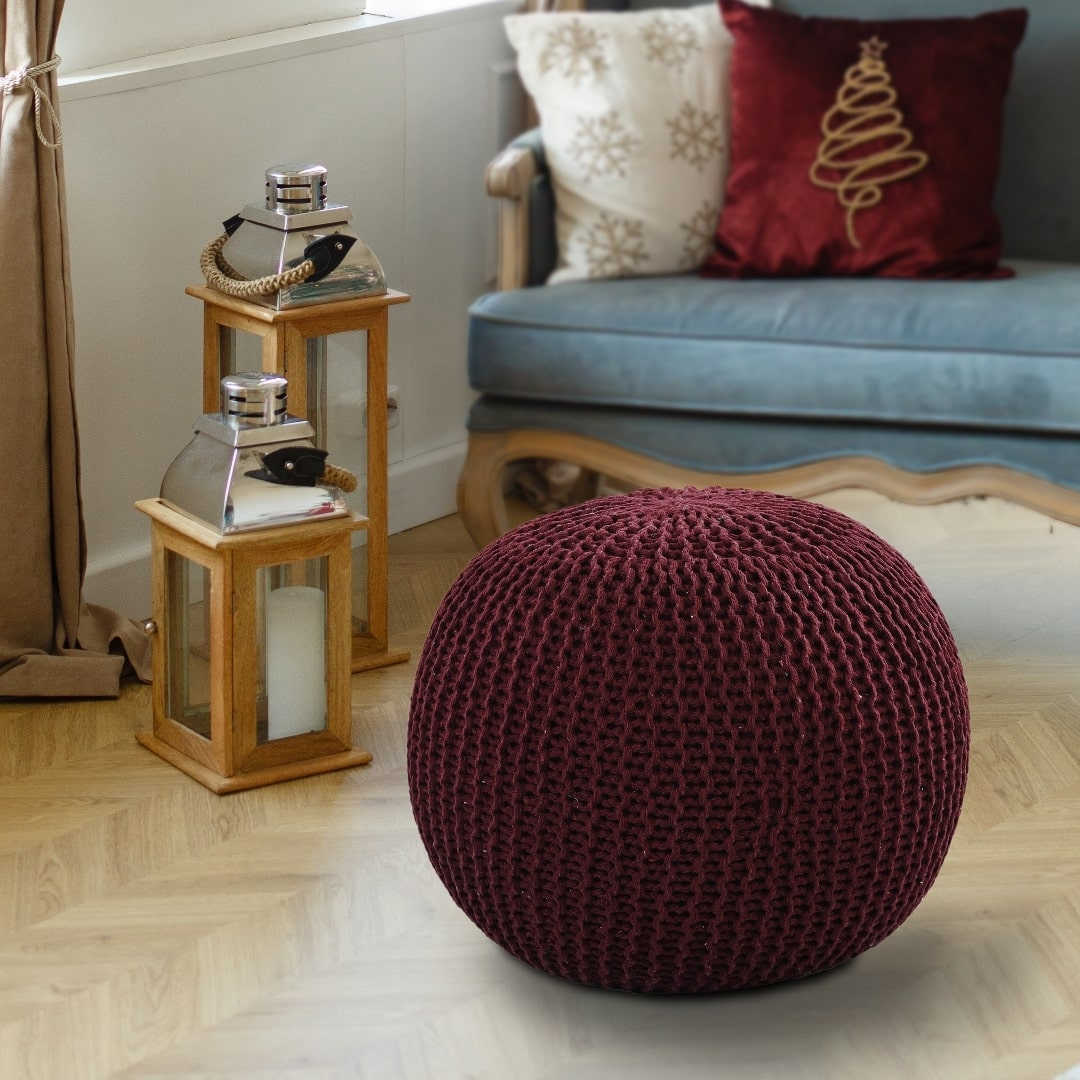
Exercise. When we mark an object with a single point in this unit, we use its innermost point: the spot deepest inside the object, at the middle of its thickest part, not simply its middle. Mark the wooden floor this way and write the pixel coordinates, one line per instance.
(150, 929)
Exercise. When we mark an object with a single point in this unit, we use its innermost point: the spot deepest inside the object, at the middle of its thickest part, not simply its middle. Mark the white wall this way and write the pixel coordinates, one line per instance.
(404, 122)
(95, 32)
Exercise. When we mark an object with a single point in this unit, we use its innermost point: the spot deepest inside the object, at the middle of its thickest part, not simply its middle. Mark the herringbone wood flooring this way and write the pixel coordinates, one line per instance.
(151, 929)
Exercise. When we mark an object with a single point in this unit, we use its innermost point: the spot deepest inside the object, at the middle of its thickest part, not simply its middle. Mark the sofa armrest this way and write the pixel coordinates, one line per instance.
(510, 173)
(511, 178)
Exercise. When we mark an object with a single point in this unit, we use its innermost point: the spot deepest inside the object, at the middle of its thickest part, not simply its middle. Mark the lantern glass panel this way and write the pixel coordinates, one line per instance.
(360, 624)
(317, 379)
(343, 424)
(291, 628)
(238, 351)
(187, 643)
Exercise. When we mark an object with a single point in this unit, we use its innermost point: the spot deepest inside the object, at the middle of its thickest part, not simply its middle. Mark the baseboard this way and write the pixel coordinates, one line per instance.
(422, 488)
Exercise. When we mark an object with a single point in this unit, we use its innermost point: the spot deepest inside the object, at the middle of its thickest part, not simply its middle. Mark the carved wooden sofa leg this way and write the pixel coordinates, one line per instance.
(480, 498)
(483, 506)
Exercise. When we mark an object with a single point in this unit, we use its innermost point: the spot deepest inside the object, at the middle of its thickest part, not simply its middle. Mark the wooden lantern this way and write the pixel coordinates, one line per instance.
(293, 343)
(251, 649)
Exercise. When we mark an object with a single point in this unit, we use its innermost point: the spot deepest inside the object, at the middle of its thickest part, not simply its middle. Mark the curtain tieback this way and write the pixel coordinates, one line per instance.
(27, 76)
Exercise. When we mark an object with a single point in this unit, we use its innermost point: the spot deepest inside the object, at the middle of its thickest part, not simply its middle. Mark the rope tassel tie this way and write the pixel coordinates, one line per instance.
(27, 76)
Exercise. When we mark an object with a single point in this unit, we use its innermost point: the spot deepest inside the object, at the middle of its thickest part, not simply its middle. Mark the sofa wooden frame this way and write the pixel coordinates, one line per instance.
(480, 494)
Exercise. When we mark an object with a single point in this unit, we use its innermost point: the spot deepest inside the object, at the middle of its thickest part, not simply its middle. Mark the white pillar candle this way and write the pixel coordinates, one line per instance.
(295, 661)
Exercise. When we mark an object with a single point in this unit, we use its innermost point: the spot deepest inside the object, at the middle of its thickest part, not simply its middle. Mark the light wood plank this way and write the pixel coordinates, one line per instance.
(212, 365)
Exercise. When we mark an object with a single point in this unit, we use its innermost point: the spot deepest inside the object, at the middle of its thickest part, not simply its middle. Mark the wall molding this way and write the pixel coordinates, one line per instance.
(252, 50)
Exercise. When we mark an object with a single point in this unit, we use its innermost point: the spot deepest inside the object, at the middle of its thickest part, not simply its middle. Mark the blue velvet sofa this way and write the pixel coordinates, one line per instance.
(924, 391)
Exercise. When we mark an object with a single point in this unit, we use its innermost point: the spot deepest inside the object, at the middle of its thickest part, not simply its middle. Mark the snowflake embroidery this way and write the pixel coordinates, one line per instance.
(695, 135)
(602, 146)
(614, 246)
(669, 40)
(574, 50)
(699, 234)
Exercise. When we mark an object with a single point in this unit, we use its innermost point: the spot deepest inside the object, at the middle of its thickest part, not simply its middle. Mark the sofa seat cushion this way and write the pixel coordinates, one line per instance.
(984, 354)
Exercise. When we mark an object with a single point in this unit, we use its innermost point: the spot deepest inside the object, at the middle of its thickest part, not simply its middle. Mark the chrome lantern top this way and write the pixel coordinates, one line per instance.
(254, 399)
(292, 188)
(270, 238)
(252, 465)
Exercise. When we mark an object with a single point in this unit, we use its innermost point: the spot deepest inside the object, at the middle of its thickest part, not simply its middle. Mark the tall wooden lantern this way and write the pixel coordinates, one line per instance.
(252, 569)
(292, 272)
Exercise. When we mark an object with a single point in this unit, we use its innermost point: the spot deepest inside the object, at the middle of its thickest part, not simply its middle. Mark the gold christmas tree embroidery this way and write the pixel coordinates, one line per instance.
(865, 144)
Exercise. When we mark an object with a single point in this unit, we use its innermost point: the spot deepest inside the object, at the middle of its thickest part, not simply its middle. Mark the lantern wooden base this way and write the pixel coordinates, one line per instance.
(284, 336)
(272, 774)
(368, 654)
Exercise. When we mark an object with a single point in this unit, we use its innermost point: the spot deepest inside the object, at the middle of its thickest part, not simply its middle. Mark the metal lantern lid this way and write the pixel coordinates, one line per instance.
(293, 188)
(252, 465)
(271, 237)
(254, 399)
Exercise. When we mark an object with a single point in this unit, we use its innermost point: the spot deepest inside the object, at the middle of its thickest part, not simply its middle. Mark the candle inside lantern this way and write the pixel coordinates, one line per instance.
(295, 661)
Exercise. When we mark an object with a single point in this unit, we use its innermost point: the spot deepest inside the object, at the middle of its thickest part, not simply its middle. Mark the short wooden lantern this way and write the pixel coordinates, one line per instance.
(252, 646)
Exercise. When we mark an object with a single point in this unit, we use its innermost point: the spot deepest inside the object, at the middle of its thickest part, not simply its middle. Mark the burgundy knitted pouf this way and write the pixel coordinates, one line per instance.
(683, 741)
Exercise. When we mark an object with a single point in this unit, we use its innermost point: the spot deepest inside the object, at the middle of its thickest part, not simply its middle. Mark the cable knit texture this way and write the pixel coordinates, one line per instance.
(683, 741)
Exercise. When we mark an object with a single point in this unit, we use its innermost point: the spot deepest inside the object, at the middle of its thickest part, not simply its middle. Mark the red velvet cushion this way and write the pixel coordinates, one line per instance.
(950, 77)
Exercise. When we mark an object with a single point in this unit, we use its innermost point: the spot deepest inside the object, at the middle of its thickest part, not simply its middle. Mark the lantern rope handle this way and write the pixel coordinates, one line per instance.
(336, 476)
(221, 276)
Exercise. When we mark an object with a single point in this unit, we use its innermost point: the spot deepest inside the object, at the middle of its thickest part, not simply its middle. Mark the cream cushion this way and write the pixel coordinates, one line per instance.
(634, 116)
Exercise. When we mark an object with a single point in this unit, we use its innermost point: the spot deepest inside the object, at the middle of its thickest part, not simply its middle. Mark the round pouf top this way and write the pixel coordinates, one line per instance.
(685, 741)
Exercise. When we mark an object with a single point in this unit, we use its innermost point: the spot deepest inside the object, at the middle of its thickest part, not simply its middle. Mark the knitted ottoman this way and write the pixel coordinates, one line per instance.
(684, 741)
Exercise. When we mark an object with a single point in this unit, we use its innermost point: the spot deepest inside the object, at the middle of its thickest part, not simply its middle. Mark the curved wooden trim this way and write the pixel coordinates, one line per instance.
(482, 505)
(510, 173)
(508, 178)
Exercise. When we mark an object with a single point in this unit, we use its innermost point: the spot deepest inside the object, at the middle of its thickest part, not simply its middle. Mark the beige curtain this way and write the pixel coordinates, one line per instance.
(51, 644)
